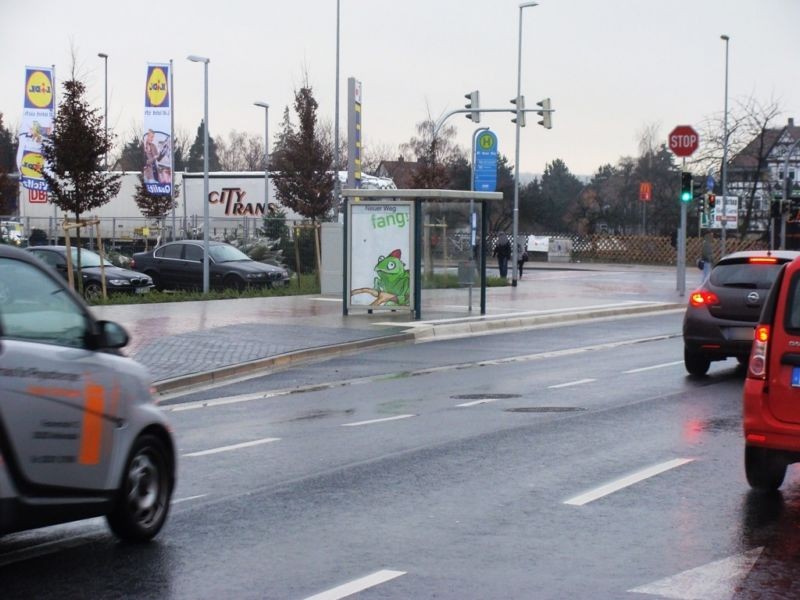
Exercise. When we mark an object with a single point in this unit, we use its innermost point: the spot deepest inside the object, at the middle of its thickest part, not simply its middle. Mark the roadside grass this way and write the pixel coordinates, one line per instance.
(308, 285)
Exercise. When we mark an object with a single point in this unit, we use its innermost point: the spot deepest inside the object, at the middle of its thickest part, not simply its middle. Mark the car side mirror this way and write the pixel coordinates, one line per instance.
(112, 335)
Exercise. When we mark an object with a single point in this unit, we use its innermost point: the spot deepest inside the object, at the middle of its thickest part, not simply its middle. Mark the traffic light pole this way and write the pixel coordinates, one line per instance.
(681, 259)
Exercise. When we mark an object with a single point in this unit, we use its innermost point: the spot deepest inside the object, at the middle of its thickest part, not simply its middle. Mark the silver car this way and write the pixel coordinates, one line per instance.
(80, 435)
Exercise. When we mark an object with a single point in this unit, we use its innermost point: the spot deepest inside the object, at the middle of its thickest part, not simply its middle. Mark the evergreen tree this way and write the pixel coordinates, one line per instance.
(195, 162)
(285, 131)
(303, 179)
(132, 157)
(560, 189)
(75, 154)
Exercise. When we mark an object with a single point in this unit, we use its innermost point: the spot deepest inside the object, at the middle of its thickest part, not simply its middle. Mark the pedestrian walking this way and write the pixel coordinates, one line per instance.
(707, 254)
(502, 250)
(522, 258)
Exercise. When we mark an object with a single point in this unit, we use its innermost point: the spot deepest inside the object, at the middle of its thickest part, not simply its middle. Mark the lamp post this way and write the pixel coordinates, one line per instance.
(336, 185)
(726, 39)
(205, 61)
(265, 106)
(104, 56)
(516, 152)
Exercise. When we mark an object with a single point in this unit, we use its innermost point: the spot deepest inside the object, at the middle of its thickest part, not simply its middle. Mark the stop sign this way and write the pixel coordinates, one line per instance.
(683, 140)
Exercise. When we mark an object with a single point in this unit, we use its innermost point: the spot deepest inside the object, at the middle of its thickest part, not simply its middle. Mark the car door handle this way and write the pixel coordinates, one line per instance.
(790, 358)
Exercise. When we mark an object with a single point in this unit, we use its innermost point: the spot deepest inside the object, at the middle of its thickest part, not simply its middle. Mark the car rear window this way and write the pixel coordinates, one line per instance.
(757, 276)
(792, 319)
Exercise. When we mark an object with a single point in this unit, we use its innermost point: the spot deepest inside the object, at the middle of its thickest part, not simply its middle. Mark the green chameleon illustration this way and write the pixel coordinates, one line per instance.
(392, 282)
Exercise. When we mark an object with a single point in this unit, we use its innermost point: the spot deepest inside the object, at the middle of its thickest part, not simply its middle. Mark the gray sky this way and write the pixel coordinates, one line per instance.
(611, 67)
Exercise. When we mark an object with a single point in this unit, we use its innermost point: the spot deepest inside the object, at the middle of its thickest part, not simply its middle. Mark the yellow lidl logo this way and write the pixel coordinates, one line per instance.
(32, 165)
(157, 87)
(38, 90)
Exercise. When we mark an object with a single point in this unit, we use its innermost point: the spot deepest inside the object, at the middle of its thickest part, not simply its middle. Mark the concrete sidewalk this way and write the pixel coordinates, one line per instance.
(187, 343)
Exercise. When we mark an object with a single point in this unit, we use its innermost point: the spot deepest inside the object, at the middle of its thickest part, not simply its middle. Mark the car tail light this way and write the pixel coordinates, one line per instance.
(757, 367)
(703, 298)
(764, 260)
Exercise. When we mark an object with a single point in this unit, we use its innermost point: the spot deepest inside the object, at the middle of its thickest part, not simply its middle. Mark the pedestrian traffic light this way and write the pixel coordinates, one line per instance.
(521, 113)
(474, 103)
(712, 201)
(686, 187)
(547, 120)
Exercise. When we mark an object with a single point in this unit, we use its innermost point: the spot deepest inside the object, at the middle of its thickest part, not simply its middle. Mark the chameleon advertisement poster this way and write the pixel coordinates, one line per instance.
(381, 259)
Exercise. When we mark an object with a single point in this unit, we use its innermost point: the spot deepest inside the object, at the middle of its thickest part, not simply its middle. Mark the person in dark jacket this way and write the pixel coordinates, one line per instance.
(502, 250)
(522, 258)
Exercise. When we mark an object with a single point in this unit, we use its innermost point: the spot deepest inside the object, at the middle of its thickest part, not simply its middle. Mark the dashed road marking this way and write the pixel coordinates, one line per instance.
(357, 585)
(570, 384)
(233, 447)
(618, 484)
(476, 402)
(188, 498)
(370, 422)
(651, 367)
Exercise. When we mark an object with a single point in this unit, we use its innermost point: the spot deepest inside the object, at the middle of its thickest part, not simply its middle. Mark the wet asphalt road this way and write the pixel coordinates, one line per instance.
(457, 469)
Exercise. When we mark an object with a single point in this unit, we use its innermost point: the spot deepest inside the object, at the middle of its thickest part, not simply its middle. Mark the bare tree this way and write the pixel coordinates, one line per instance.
(374, 154)
(751, 138)
(241, 152)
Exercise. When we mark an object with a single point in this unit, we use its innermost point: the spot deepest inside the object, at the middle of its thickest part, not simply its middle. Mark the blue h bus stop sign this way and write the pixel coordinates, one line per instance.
(485, 161)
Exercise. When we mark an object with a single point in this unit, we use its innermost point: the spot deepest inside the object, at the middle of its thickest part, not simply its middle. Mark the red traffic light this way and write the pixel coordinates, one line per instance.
(712, 200)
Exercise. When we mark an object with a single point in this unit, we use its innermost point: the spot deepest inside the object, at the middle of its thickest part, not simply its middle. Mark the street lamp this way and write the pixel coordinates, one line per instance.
(726, 39)
(336, 185)
(104, 56)
(265, 106)
(205, 61)
(516, 154)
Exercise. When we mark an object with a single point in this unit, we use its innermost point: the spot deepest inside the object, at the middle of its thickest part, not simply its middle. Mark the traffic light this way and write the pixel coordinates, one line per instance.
(686, 187)
(521, 107)
(474, 103)
(712, 201)
(547, 120)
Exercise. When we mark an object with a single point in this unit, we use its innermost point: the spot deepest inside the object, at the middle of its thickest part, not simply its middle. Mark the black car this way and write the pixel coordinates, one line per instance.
(180, 265)
(723, 312)
(118, 280)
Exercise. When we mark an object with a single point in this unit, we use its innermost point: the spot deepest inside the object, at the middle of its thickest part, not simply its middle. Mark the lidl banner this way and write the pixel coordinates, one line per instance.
(381, 260)
(157, 138)
(36, 125)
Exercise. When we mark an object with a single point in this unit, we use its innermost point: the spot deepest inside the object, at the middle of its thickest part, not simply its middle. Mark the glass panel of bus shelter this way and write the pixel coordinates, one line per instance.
(450, 259)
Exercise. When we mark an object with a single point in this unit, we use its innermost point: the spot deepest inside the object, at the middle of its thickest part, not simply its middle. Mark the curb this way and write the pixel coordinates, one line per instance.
(424, 332)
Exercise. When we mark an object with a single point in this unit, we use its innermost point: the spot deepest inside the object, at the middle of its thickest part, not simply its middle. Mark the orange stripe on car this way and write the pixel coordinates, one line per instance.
(92, 430)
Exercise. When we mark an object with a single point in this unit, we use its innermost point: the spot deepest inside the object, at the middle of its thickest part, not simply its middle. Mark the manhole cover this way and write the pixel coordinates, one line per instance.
(484, 396)
(545, 409)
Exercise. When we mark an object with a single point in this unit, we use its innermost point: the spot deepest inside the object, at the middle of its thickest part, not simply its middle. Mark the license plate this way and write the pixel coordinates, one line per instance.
(795, 376)
(741, 333)
(142, 290)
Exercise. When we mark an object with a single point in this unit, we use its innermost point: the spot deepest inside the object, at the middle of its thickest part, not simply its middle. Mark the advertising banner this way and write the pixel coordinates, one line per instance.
(36, 125)
(381, 258)
(157, 138)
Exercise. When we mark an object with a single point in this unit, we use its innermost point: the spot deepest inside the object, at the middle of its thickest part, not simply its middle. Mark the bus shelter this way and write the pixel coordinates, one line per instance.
(399, 242)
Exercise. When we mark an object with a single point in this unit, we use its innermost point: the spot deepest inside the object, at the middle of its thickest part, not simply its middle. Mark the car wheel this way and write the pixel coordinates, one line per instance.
(143, 499)
(156, 280)
(234, 283)
(765, 469)
(92, 291)
(695, 363)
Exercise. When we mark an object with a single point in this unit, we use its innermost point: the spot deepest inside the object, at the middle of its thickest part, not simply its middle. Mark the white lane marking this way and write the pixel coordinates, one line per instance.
(357, 585)
(650, 368)
(197, 404)
(377, 421)
(188, 498)
(476, 402)
(233, 447)
(570, 384)
(325, 299)
(618, 484)
(716, 580)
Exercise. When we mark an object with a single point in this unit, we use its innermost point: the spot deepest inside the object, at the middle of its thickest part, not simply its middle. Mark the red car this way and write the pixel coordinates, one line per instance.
(772, 387)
